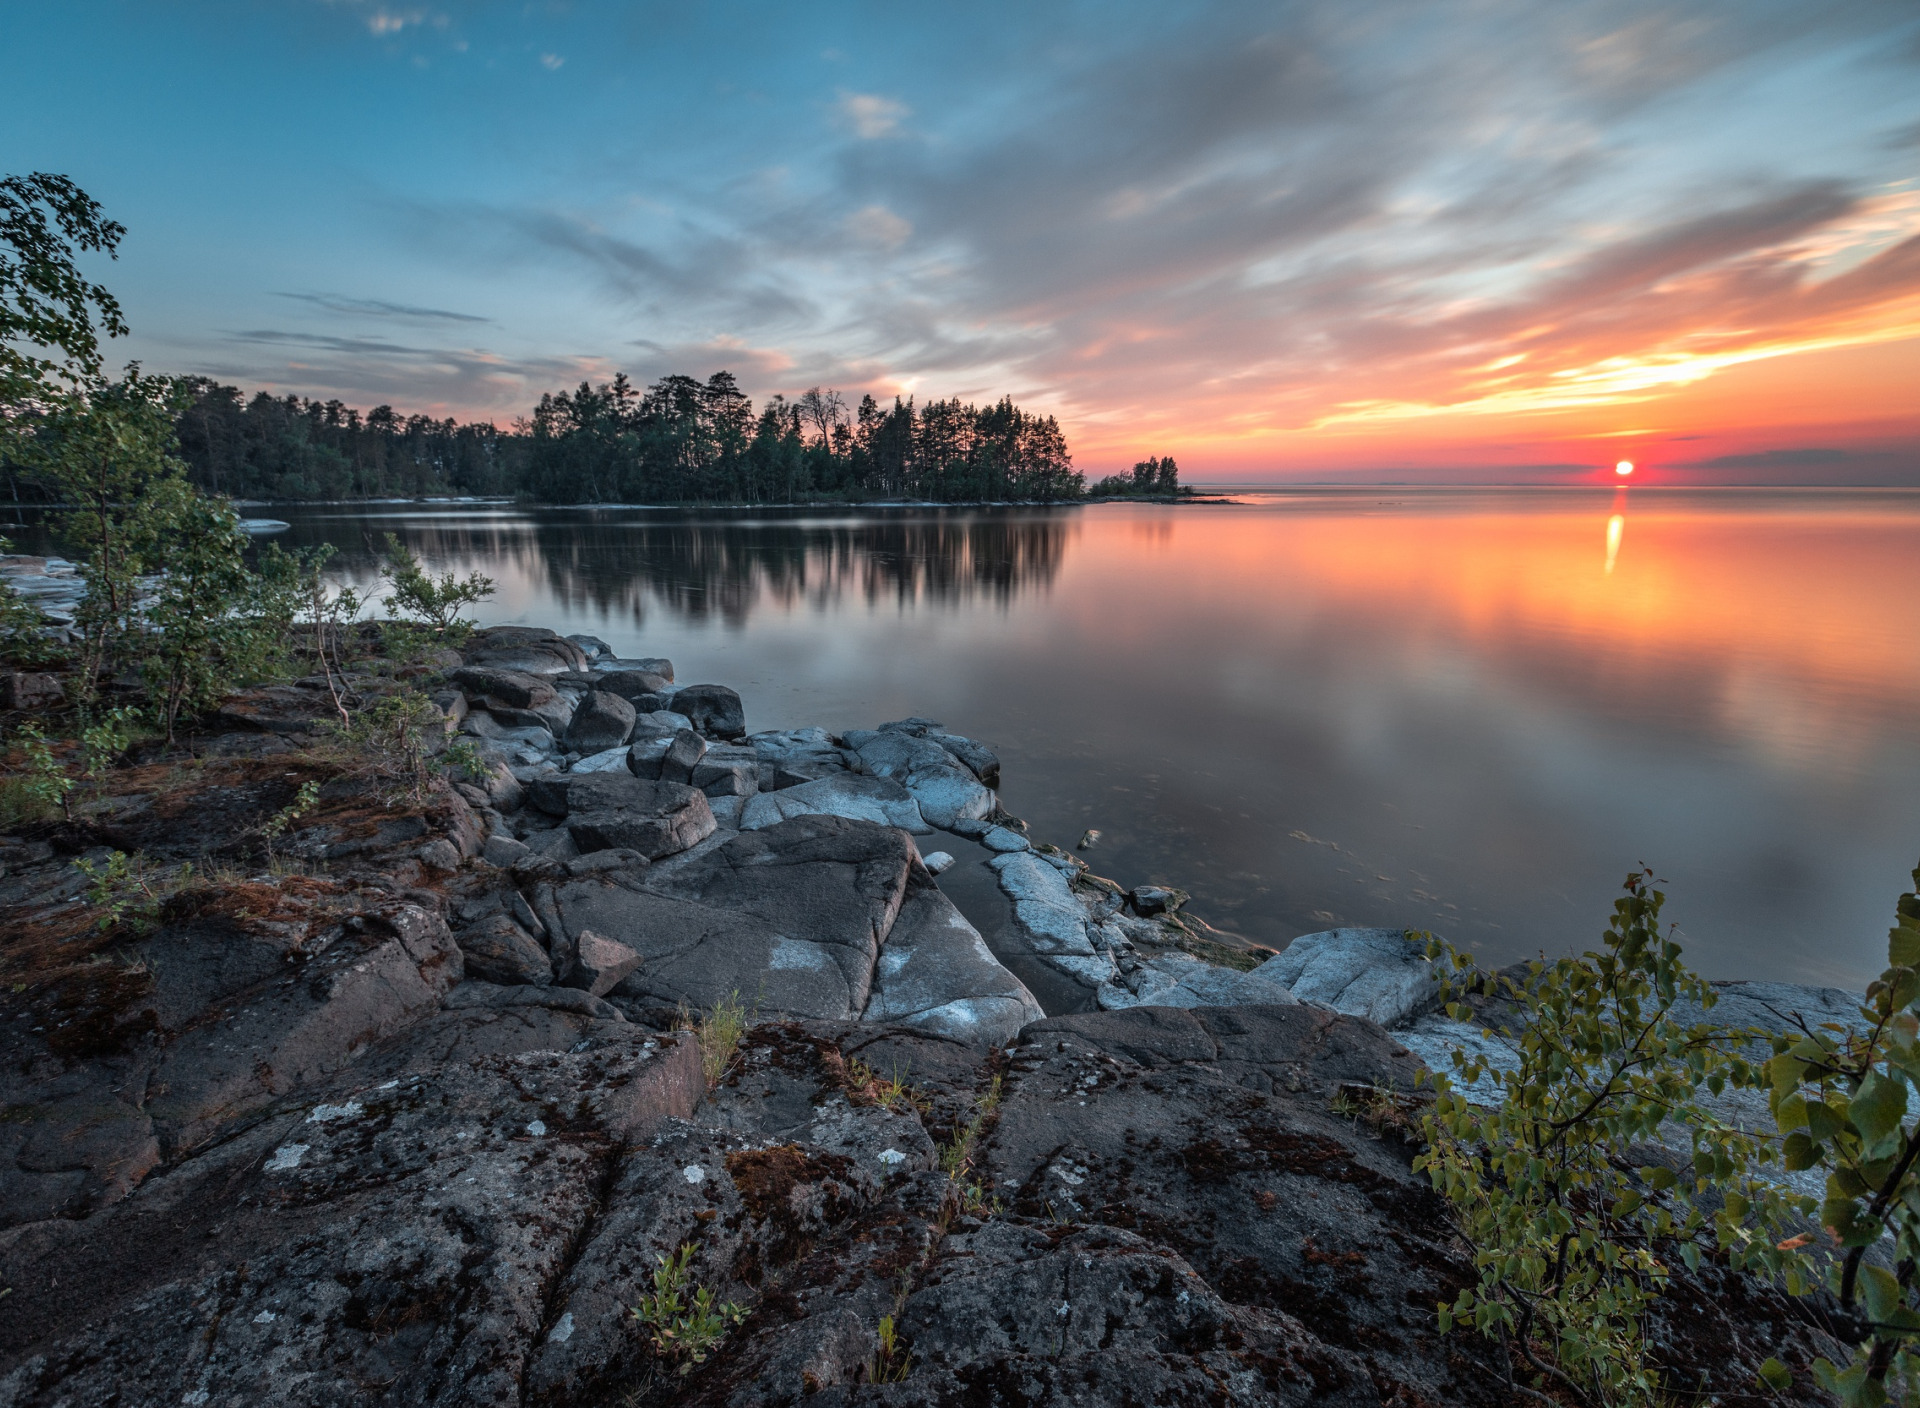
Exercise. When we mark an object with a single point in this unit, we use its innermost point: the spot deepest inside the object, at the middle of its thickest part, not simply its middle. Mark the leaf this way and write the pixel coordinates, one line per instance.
(1881, 1291)
(1799, 1152)
(1878, 1108)
(1823, 1120)
(1776, 1376)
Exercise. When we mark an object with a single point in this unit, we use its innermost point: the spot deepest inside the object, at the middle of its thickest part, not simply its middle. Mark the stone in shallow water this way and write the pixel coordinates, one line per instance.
(715, 709)
(1005, 841)
(945, 788)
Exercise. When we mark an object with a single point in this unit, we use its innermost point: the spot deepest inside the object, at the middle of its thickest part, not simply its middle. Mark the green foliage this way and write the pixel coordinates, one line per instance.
(891, 1359)
(403, 734)
(105, 739)
(684, 1328)
(1567, 1238)
(1841, 1098)
(46, 305)
(41, 784)
(304, 801)
(434, 602)
(1154, 477)
(718, 1031)
(128, 892)
(956, 1155)
(207, 631)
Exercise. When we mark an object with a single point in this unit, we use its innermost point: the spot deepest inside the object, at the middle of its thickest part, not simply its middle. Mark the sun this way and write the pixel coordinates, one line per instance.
(1624, 468)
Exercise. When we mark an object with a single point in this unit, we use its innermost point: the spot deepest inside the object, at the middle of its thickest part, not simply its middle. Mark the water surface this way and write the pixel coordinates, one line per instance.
(1465, 711)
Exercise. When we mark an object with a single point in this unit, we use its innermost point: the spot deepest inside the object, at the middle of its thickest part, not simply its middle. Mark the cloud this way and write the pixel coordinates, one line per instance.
(1808, 458)
(870, 115)
(551, 62)
(465, 382)
(875, 224)
(380, 308)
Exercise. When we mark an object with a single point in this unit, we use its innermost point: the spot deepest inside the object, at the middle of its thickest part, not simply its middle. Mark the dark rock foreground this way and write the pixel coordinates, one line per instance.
(1174, 1215)
(412, 1117)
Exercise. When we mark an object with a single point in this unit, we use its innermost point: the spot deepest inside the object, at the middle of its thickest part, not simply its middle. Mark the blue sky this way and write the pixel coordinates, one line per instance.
(1270, 231)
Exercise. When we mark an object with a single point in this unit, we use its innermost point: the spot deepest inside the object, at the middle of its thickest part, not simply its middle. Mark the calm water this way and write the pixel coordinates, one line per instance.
(1468, 711)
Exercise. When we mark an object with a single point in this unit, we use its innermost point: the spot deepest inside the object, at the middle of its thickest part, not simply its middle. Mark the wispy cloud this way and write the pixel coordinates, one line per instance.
(870, 115)
(380, 308)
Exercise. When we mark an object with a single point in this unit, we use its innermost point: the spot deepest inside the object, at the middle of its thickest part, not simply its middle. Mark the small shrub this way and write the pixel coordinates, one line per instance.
(435, 602)
(1564, 1231)
(684, 1328)
(42, 783)
(128, 893)
(1841, 1099)
(889, 1092)
(304, 801)
(399, 732)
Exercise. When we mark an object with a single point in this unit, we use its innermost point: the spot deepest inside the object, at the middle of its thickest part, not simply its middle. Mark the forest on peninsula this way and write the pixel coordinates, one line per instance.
(679, 440)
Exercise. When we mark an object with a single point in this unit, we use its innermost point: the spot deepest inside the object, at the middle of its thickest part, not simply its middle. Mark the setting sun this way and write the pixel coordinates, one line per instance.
(1624, 468)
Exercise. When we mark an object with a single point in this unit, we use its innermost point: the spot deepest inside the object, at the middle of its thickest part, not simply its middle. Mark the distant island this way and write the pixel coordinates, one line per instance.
(680, 440)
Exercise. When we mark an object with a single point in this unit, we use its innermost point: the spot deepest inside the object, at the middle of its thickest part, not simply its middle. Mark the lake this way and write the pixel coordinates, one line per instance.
(1469, 711)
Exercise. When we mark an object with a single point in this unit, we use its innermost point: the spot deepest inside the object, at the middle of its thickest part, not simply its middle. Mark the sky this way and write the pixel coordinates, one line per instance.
(1371, 240)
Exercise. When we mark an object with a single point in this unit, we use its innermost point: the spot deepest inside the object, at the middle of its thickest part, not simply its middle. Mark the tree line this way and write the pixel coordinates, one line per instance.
(678, 440)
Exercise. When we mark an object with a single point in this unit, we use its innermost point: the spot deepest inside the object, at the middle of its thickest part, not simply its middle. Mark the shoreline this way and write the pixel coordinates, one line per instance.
(419, 1081)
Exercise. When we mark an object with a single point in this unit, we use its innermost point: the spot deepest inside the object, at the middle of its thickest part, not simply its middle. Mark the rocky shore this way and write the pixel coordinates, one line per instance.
(403, 1099)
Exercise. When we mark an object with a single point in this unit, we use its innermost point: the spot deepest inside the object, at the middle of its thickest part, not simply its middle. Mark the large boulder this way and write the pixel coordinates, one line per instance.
(278, 708)
(790, 918)
(532, 650)
(854, 796)
(633, 684)
(510, 689)
(936, 974)
(615, 810)
(715, 710)
(598, 963)
(948, 792)
(601, 721)
(1380, 974)
(498, 950)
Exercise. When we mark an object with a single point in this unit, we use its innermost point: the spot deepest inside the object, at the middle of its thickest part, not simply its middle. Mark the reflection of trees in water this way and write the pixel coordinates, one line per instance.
(705, 568)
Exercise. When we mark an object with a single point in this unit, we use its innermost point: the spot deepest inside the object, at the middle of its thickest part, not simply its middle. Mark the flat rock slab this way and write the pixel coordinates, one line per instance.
(1180, 980)
(853, 796)
(1049, 920)
(791, 918)
(936, 974)
(1379, 974)
(400, 1233)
